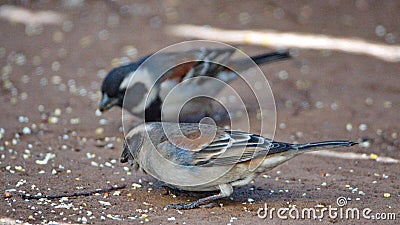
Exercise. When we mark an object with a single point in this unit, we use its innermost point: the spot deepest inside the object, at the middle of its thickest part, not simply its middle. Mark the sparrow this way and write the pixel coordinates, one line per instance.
(141, 88)
(203, 157)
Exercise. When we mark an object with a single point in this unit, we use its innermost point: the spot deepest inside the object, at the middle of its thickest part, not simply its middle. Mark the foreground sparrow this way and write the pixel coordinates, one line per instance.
(201, 157)
(144, 100)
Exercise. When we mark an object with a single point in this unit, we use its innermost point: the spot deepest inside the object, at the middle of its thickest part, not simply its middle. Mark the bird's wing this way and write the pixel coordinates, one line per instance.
(241, 147)
(185, 143)
(207, 64)
(218, 147)
(198, 62)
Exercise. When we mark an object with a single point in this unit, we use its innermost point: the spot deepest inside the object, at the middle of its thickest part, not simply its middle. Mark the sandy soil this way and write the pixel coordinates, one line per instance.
(50, 90)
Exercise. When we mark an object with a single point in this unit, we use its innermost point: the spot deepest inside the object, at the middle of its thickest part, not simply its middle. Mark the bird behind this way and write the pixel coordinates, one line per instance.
(144, 91)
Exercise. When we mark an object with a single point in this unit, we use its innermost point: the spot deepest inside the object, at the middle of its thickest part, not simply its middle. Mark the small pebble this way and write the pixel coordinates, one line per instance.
(283, 75)
(19, 169)
(135, 185)
(75, 121)
(40, 108)
(386, 195)
(84, 220)
(57, 112)
(244, 18)
(53, 119)
(46, 159)
(387, 104)
(23, 119)
(319, 105)
(103, 121)
(99, 131)
(334, 106)
(369, 101)
(373, 156)
(104, 203)
(365, 144)
(26, 130)
(103, 35)
(98, 112)
(363, 127)
(380, 31)
(130, 51)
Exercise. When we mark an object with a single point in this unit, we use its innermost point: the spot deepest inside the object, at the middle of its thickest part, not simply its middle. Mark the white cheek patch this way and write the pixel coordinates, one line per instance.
(125, 82)
(148, 79)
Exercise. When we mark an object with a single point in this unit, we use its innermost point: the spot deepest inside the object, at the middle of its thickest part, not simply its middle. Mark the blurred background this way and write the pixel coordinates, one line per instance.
(342, 83)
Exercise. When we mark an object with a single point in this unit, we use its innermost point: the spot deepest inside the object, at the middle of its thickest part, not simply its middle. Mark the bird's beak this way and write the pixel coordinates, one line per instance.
(106, 103)
(125, 154)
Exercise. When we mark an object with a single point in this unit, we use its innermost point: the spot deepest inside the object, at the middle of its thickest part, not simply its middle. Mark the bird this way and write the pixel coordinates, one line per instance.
(204, 157)
(141, 88)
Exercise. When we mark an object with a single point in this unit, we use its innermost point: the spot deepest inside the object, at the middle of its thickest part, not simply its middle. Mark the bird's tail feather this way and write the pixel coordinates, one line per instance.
(271, 57)
(243, 64)
(322, 145)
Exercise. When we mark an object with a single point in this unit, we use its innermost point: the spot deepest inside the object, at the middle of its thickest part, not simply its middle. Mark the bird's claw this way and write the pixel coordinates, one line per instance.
(181, 206)
(192, 205)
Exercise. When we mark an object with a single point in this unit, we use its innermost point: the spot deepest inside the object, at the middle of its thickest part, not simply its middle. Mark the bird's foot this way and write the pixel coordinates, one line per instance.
(181, 206)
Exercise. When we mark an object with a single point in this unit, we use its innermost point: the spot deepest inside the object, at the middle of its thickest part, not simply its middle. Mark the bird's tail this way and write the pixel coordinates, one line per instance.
(322, 145)
(271, 57)
(243, 63)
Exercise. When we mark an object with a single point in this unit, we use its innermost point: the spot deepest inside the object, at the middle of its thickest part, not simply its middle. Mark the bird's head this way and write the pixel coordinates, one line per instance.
(113, 88)
(116, 83)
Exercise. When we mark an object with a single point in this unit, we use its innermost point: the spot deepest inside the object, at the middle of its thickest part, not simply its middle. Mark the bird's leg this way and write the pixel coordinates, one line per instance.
(226, 190)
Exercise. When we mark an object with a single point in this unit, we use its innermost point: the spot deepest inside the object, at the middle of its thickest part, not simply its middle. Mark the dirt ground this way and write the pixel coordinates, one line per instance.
(52, 142)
